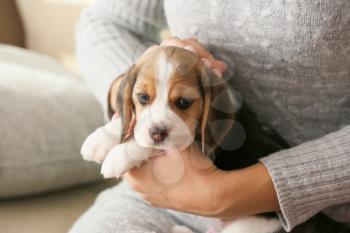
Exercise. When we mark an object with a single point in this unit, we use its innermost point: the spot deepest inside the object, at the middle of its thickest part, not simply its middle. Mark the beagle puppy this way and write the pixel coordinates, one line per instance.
(168, 101)
(169, 93)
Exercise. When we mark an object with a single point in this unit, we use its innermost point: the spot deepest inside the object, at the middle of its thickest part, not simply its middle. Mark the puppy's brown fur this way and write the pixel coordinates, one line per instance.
(190, 79)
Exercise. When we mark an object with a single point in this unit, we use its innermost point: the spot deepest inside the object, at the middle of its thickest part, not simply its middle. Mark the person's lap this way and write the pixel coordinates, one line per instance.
(120, 210)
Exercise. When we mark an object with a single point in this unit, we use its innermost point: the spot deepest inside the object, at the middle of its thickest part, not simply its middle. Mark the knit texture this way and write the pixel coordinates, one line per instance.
(292, 60)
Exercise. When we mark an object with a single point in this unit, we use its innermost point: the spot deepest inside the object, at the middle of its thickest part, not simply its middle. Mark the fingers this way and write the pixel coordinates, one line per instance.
(222, 65)
(217, 66)
(200, 50)
(205, 54)
(191, 49)
(174, 41)
(156, 174)
(207, 63)
(196, 47)
(217, 72)
(141, 178)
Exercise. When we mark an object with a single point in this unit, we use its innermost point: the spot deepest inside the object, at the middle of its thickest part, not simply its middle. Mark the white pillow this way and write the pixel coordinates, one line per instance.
(46, 113)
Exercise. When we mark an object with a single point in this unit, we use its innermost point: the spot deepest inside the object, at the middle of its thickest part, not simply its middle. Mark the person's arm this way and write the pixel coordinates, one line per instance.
(311, 177)
(111, 35)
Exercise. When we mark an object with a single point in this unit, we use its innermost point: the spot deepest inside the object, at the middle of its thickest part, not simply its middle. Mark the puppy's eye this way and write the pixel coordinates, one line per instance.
(143, 98)
(183, 103)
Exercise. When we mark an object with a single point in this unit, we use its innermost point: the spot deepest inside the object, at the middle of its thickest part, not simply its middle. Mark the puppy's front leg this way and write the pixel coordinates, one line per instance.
(124, 157)
(97, 145)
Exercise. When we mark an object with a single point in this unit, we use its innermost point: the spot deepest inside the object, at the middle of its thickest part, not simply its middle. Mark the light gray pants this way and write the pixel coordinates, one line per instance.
(120, 210)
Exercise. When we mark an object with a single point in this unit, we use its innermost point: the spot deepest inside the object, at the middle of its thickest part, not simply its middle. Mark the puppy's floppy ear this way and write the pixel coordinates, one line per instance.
(219, 108)
(124, 104)
(112, 107)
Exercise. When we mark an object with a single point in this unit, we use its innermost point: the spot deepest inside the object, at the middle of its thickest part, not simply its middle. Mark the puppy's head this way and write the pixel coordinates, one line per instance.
(175, 99)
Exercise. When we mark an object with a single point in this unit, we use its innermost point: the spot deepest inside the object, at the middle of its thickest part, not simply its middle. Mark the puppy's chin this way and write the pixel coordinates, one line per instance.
(171, 143)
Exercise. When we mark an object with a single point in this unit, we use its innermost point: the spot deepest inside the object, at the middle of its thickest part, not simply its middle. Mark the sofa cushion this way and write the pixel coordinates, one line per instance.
(46, 113)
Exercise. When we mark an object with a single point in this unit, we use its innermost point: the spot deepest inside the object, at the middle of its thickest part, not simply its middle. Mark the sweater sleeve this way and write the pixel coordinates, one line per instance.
(111, 35)
(311, 177)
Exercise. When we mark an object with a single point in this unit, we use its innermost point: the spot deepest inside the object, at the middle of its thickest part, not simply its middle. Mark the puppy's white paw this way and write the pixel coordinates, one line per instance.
(117, 162)
(125, 156)
(97, 145)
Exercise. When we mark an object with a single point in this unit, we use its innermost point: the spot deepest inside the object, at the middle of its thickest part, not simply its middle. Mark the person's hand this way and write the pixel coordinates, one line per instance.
(183, 180)
(189, 182)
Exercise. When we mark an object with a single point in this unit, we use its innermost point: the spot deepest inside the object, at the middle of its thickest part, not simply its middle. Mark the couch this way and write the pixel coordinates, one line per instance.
(46, 112)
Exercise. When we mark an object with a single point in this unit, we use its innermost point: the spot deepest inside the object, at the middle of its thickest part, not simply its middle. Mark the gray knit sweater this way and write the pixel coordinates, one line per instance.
(292, 60)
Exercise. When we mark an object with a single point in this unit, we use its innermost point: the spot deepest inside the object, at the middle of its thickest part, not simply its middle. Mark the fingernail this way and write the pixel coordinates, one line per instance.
(217, 72)
(190, 48)
(207, 62)
(223, 65)
(173, 42)
(115, 116)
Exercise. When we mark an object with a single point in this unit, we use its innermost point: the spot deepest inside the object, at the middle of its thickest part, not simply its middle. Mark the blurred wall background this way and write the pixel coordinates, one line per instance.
(11, 30)
(45, 26)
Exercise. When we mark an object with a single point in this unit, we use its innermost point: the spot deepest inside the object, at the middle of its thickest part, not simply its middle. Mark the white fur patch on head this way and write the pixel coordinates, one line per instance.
(160, 113)
(164, 72)
(160, 105)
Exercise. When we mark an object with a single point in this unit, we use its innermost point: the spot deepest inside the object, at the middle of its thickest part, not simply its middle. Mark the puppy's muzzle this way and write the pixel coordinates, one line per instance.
(158, 133)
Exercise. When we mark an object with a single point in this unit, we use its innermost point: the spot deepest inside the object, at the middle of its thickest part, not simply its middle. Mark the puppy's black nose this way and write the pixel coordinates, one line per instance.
(158, 133)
